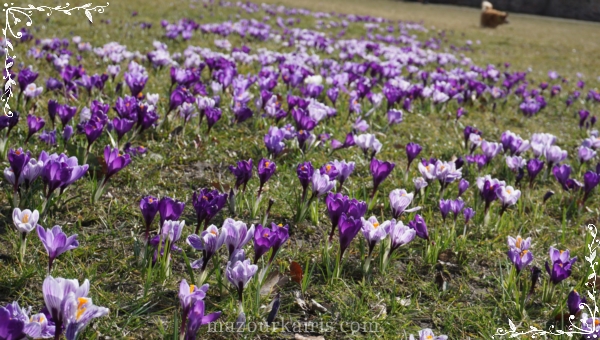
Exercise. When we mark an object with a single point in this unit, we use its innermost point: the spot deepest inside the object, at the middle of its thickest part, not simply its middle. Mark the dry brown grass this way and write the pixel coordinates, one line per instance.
(543, 43)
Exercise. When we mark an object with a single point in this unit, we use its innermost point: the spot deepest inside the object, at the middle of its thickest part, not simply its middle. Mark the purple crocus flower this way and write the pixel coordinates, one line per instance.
(590, 181)
(34, 124)
(122, 126)
(197, 318)
(263, 239)
(487, 188)
(490, 150)
(374, 232)
(169, 209)
(115, 162)
(399, 201)
(66, 113)
(135, 80)
(304, 171)
(330, 170)
(243, 173)
(149, 209)
(237, 234)
(321, 184)
(207, 204)
(345, 169)
(445, 207)
(520, 257)
(274, 141)
(380, 171)
(561, 265)
(468, 213)
(348, 227)
(562, 174)
(394, 117)
(18, 160)
(212, 116)
(463, 185)
(400, 235)
(56, 242)
(209, 242)
(534, 166)
(282, 234)
(456, 206)
(420, 227)
(265, 169)
(55, 175)
(239, 272)
(583, 115)
(412, 151)
(460, 112)
(574, 303)
(508, 196)
(188, 295)
(337, 204)
(26, 77)
(585, 154)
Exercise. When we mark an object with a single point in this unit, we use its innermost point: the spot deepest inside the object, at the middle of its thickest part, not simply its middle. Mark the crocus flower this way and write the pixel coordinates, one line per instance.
(348, 227)
(265, 169)
(585, 154)
(304, 171)
(344, 170)
(56, 242)
(508, 196)
(115, 162)
(468, 213)
(561, 265)
(237, 234)
(418, 224)
(427, 334)
(368, 142)
(463, 185)
(18, 160)
(122, 126)
(490, 150)
(274, 141)
(212, 116)
(25, 221)
(209, 242)
(400, 235)
(69, 306)
(590, 180)
(32, 171)
(399, 201)
(149, 208)
(445, 207)
(243, 173)
(26, 76)
(519, 257)
(169, 209)
(374, 232)
(574, 303)
(35, 124)
(394, 116)
(534, 166)
(380, 171)
(170, 231)
(487, 189)
(240, 272)
(263, 241)
(321, 184)
(419, 183)
(562, 174)
(282, 234)
(197, 318)
(412, 151)
(207, 204)
(188, 295)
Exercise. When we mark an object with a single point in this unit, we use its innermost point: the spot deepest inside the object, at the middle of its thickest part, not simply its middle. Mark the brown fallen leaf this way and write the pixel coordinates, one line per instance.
(296, 272)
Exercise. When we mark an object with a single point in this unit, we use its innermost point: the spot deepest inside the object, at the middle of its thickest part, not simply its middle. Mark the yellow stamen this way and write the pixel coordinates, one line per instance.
(150, 200)
(18, 152)
(213, 232)
(508, 191)
(192, 287)
(519, 241)
(524, 252)
(266, 235)
(280, 225)
(205, 198)
(375, 225)
(328, 168)
(80, 309)
(267, 164)
(25, 218)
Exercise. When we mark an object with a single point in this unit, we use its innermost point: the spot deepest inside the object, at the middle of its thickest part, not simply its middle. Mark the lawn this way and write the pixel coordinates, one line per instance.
(458, 281)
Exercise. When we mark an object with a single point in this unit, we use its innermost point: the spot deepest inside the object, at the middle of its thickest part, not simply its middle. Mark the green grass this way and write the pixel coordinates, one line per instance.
(404, 299)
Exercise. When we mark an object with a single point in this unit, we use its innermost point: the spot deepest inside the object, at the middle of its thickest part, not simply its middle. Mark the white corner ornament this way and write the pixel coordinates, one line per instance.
(589, 324)
(13, 15)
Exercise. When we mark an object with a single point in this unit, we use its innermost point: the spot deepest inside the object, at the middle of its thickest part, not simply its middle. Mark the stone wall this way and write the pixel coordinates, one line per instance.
(572, 9)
